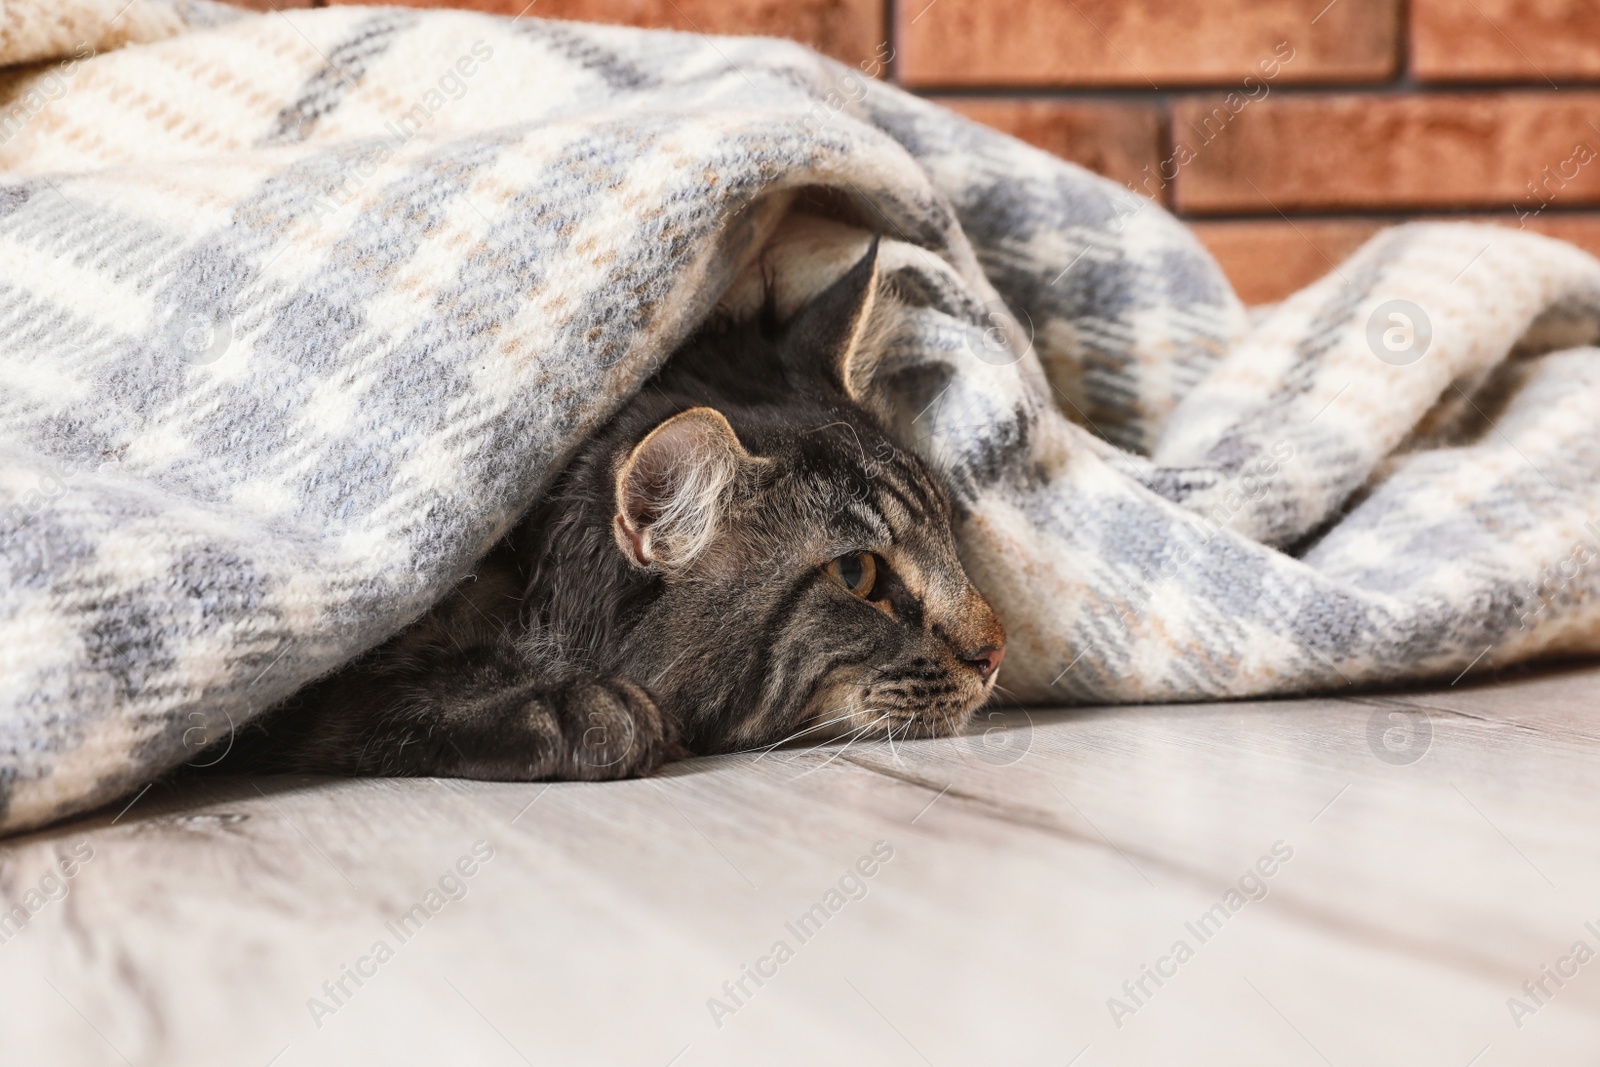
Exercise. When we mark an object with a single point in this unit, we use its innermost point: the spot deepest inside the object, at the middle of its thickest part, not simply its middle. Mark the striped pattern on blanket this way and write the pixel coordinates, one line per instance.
(299, 311)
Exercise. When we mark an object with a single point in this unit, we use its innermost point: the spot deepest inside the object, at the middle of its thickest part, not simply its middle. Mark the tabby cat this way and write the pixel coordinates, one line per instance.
(740, 556)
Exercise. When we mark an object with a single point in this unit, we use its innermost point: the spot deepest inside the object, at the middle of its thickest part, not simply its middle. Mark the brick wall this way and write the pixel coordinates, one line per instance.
(1285, 131)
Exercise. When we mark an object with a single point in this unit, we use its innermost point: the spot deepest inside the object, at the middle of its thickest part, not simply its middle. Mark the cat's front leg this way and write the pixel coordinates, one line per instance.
(462, 714)
(610, 728)
(586, 729)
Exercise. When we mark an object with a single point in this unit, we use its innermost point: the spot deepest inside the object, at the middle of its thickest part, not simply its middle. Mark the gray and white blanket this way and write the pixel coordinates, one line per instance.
(299, 311)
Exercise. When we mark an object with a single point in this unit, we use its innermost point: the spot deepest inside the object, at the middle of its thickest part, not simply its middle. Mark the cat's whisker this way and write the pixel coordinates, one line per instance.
(821, 765)
(893, 752)
(864, 732)
(666, 577)
(860, 730)
(871, 726)
(802, 732)
(849, 709)
(662, 673)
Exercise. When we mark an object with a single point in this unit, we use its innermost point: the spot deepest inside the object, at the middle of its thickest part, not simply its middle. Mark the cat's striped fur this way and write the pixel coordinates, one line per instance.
(674, 590)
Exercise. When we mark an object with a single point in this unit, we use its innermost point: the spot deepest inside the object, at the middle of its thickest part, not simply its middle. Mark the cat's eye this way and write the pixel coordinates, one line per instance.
(856, 571)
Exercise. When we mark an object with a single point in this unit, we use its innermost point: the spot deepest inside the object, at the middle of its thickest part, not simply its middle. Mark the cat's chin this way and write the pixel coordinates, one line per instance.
(911, 727)
(849, 717)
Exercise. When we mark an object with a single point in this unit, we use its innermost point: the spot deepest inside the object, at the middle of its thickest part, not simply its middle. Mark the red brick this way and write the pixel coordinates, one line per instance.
(1582, 230)
(1268, 260)
(1505, 40)
(1116, 140)
(1340, 152)
(848, 30)
(1141, 43)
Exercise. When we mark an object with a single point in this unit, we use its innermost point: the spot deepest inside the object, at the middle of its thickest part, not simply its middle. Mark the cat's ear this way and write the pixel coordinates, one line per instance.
(830, 334)
(673, 486)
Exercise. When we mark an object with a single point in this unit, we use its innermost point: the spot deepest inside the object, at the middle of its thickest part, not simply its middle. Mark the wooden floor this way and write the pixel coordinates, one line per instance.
(1429, 853)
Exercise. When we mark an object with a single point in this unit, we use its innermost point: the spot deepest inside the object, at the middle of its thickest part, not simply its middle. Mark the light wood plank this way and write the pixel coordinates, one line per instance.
(1030, 878)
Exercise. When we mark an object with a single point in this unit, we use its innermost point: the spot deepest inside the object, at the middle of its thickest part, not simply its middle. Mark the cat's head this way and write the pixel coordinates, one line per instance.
(778, 565)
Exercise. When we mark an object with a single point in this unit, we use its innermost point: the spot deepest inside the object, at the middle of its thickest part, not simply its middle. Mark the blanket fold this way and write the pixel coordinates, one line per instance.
(299, 312)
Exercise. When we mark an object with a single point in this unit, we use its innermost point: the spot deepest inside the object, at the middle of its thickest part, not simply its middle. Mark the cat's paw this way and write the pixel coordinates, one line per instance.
(613, 728)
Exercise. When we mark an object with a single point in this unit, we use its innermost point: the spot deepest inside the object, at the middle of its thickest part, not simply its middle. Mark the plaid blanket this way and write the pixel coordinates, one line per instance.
(299, 312)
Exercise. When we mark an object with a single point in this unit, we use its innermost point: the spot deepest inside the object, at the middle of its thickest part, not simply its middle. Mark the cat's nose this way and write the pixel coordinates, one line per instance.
(985, 661)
